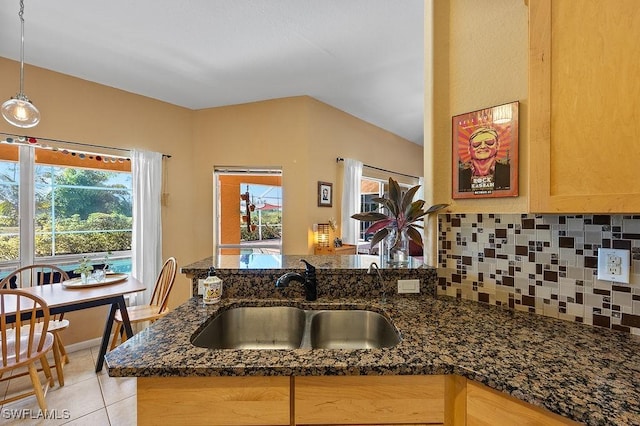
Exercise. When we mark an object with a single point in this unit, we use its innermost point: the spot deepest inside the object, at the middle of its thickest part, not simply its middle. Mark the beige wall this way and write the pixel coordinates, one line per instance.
(336, 134)
(480, 59)
(303, 136)
(300, 134)
(476, 56)
(77, 110)
(261, 134)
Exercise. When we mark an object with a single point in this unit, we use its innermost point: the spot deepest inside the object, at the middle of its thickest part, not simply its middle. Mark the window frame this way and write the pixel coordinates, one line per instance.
(27, 215)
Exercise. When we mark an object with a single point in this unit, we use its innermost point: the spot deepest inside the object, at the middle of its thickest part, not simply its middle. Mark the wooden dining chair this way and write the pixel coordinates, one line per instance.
(34, 275)
(157, 306)
(21, 344)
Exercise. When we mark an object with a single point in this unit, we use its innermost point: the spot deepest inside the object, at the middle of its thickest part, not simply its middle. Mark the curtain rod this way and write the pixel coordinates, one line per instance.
(339, 159)
(74, 143)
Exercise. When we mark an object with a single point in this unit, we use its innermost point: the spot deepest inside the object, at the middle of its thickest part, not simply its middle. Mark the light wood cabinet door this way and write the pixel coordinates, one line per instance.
(213, 400)
(369, 400)
(584, 106)
(487, 407)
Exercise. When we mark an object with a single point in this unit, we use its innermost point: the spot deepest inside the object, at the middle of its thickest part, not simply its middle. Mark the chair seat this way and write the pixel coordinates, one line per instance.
(54, 325)
(24, 346)
(157, 305)
(141, 313)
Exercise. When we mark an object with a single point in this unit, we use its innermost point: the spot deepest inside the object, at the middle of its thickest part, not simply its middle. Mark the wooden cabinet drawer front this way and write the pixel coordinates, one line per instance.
(214, 400)
(488, 407)
(369, 400)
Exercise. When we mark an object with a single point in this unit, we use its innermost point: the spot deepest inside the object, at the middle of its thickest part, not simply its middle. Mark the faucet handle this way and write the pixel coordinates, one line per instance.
(310, 269)
(311, 283)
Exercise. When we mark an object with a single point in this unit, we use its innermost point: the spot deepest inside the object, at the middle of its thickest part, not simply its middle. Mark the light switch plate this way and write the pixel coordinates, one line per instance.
(613, 265)
(408, 286)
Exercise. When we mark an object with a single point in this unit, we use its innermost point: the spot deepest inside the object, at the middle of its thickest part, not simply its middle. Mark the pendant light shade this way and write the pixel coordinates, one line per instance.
(19, 110)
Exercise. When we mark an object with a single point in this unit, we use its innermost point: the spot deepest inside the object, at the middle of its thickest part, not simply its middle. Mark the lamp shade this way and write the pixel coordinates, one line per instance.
(322, 235)
(20, 112)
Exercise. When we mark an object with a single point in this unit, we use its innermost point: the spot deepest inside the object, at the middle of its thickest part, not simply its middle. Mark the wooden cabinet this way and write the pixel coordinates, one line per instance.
(339, 400)
(344, 249)
(376, 400)
(584, 106)
(213, 400)
(487, 407)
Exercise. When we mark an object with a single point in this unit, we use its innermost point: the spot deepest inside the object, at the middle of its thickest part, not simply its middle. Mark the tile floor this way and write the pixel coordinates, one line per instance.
(86, 398)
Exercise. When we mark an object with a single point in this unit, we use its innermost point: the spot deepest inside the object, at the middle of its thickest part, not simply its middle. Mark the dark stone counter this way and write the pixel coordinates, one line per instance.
(587, 374)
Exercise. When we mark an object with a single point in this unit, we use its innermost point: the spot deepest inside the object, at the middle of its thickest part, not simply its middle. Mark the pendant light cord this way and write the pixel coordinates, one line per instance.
(21, 15)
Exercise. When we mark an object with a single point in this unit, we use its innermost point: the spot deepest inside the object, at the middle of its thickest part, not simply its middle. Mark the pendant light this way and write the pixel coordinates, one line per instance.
(19, 110)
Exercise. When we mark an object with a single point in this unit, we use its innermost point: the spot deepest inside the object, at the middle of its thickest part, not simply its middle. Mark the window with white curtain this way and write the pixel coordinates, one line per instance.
(57, 205)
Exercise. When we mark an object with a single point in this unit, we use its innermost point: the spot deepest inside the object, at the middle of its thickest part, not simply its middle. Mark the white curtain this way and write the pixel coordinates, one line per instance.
(351, 200)
(146, 168)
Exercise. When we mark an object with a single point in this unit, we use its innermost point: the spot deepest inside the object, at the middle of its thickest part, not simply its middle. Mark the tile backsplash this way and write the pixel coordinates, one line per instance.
(543, 264)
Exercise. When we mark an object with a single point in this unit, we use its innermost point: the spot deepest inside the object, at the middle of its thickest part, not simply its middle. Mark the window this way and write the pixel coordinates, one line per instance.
(79, 204)
(370, 188)
(248, 211)
(80, 210)
(9, 216)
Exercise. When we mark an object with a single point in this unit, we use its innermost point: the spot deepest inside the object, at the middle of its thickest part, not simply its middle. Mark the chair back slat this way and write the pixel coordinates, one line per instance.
(164, 284)
(35, 275)
(19, 312)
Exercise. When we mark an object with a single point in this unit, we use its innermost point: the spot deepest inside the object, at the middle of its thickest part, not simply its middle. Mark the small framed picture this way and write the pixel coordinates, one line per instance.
(325, 194)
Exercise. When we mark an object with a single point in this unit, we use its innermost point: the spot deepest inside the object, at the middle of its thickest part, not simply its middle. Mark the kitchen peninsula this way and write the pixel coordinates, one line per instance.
(453, 357)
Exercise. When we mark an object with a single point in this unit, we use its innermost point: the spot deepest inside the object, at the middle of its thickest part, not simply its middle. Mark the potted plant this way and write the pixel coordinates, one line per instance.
(84, 269)
(398, 225)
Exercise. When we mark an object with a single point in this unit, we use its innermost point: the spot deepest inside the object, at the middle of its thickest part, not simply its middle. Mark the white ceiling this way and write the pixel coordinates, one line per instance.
(364, 57)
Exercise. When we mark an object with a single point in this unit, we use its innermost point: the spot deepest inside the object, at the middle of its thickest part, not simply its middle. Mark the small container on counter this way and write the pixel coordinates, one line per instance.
(212, 287)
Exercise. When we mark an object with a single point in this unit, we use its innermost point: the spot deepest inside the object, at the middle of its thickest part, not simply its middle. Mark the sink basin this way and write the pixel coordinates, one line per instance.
(272, 327)
(352, 329)
(282, 327)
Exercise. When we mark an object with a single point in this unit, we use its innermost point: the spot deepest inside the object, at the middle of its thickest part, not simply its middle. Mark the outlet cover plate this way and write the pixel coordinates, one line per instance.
(408, 286)
(613, 265)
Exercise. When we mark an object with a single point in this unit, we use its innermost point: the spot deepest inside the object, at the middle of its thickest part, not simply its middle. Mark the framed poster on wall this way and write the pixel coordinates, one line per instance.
(485, 153)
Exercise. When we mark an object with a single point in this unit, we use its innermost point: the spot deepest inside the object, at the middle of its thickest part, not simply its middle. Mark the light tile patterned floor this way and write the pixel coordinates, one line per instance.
(86, 398)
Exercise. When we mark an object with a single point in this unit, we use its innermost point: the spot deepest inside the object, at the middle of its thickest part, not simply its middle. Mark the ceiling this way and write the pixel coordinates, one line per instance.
(364, 57)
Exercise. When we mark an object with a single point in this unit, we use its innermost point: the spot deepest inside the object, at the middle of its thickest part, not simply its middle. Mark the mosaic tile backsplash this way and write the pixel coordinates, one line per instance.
(543, 264)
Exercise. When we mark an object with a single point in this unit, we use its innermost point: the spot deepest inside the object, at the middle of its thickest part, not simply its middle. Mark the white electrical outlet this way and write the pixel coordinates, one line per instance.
(408, 286)
(613, 265)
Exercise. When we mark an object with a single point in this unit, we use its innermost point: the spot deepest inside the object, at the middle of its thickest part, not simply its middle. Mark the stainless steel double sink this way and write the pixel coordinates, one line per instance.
(284, 327)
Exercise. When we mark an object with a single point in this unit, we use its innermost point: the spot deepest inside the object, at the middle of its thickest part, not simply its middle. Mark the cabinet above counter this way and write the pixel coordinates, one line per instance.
(582, 112)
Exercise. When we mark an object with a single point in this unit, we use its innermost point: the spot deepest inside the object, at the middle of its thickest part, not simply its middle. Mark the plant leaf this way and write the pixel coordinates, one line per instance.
(408, 197)
(414, 211)
(414, 235)
(375, 227)
(436, 207)
(379, 236)
(395, 195)
(370, 216)
(393, 209)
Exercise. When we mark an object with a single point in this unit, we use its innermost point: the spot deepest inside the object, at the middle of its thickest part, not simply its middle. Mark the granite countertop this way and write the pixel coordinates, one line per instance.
(587, 374)
(277, 262)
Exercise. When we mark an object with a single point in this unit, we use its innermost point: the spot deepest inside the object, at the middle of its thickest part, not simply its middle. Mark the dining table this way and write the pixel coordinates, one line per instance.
(63, 298)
